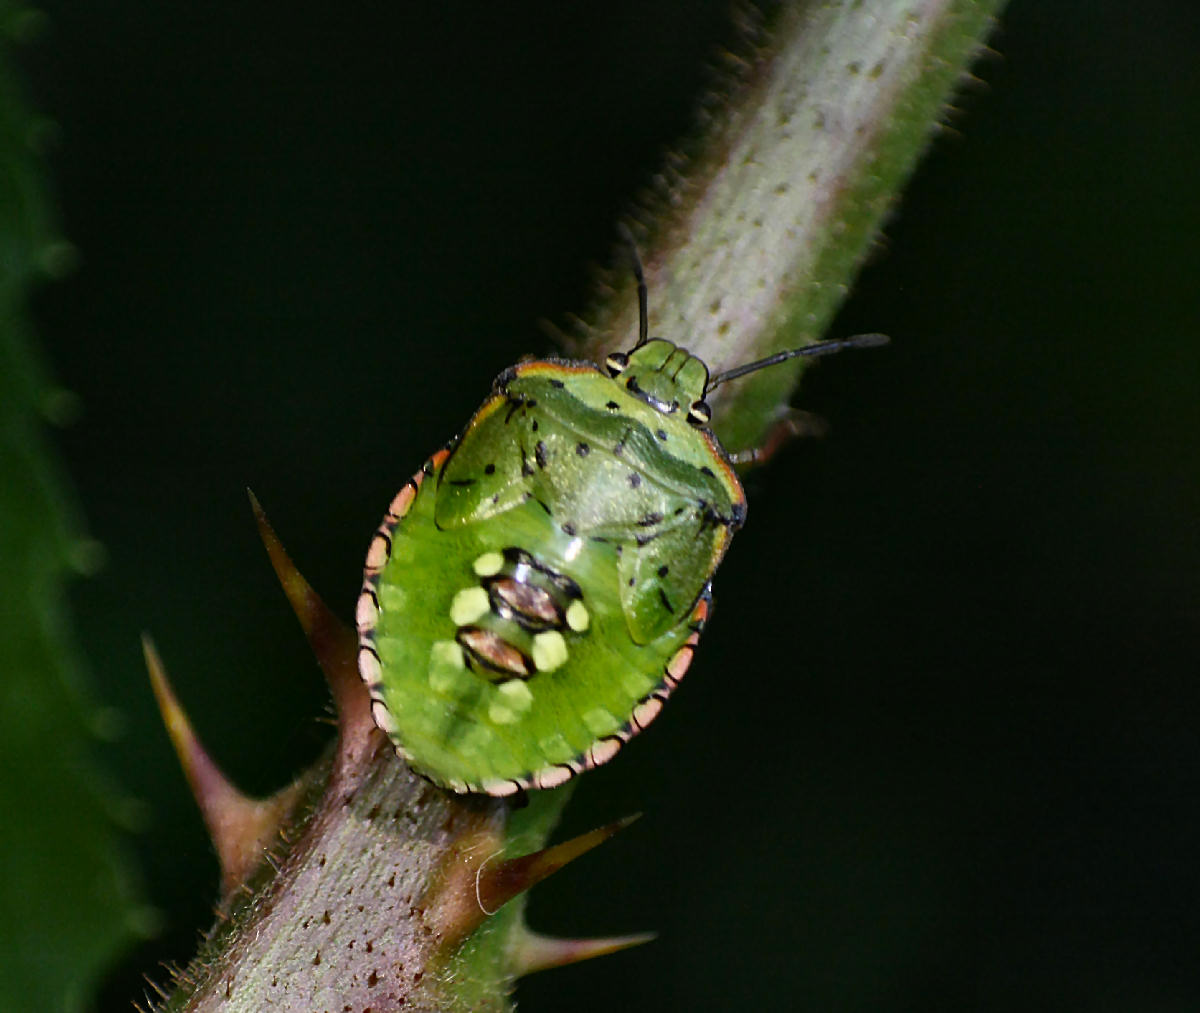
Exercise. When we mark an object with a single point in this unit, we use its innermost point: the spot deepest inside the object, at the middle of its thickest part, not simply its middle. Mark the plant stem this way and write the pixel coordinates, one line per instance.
(793, 184)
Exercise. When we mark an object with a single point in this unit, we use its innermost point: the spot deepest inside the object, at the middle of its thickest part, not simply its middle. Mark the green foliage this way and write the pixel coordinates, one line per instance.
(67, 901)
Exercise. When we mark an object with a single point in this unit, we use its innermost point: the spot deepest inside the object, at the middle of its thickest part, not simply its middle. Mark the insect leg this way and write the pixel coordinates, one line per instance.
(792, 424)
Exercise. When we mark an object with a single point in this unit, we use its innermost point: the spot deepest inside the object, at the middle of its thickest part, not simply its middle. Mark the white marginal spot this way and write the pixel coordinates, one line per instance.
(549, 651)
(552, 777)
(369, 668)
(469, 604)
(489, 564)
(516, 694)
(605, 750)
(402, 501)
(678, 665)
(577, 616)
(498, 788)
(573, 549)
(365, 612)
(383, 718)
(377, 553)
(647, 711)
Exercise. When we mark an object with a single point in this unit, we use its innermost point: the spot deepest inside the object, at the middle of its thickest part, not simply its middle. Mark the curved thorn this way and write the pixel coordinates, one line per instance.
(332, 641)
(241, 828)
(496, 883)
(532, 951)
(476, 883)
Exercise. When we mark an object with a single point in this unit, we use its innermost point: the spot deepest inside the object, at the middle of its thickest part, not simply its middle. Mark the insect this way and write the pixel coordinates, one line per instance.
(536, 591)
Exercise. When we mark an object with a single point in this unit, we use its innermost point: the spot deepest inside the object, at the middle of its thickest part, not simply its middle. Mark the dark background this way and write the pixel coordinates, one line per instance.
(940, 749)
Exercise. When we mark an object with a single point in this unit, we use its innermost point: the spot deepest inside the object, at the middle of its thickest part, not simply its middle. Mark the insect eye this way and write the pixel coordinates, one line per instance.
(616, 363)
(699, 413)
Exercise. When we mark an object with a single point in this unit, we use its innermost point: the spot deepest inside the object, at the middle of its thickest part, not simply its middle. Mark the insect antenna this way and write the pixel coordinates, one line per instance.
(640, 275)
(817, 348)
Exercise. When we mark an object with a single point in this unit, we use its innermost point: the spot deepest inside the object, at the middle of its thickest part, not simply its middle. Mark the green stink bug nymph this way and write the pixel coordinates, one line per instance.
(536, 591)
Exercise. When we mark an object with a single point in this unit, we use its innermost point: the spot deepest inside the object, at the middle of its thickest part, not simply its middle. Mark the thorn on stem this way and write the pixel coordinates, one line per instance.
(332, 641)
(532, 951)
(241, 828)
(499, 882)
(477, 884)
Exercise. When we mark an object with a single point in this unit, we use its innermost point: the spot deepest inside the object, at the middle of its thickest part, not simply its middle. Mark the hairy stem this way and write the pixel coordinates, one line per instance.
(754, 249)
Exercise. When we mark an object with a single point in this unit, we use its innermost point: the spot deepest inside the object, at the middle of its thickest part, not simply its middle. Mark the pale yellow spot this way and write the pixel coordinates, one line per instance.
(599, 721)
(554, 746)
(469, 604)
(446, 664)
(392, 599)
(476, 740)
(391, 652)
(501, 715)
(446, 653)
(516, 694)
(577, 616)
(489, 564)
(634, 684)
(549, 651)
(442, 681)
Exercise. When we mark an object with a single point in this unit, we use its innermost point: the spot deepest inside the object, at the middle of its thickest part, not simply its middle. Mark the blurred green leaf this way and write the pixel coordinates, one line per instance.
(68, 904)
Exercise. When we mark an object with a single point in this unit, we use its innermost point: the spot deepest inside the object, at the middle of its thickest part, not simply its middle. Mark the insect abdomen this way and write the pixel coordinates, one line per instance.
(498, 654)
